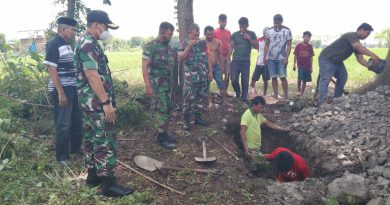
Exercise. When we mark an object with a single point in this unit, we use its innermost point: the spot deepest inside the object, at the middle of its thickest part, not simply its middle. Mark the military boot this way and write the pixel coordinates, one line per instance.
(93, 179)
(112, 189)
(200, 121)
(187, 125)
(170, 138)
(164, 141)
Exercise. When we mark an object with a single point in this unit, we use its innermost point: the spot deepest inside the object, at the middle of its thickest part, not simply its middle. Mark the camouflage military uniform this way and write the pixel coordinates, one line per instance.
(100, 137)
(195, 89)
(161, 65)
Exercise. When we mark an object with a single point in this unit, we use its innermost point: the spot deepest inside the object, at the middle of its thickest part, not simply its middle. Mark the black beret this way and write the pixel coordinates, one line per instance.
(67, 21)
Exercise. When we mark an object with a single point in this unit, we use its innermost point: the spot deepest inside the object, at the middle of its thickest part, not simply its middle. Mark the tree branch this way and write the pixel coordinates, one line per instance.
(25, 102)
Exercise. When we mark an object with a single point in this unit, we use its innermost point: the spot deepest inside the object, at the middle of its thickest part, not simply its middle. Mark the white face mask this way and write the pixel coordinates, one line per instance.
(105, 35)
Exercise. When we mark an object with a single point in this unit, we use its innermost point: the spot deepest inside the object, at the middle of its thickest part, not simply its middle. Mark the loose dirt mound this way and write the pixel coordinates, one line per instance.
(352, 134)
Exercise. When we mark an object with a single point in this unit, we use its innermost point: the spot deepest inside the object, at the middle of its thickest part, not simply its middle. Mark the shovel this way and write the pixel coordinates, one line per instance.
(151, 164)
(205, 158)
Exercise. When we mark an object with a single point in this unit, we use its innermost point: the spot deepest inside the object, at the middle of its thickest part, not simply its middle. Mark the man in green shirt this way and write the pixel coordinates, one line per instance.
(97, 101)
(240, 45)
(157, 67)
(332, 57)
(250, 131)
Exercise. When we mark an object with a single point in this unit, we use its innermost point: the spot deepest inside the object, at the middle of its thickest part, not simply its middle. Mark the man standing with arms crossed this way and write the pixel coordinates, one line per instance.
(214, 50)
(224, 35)
(62, 86)
(157, 67)
(97, 100)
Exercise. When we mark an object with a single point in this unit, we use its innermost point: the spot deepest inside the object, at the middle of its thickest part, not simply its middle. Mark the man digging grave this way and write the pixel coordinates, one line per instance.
(289, 165)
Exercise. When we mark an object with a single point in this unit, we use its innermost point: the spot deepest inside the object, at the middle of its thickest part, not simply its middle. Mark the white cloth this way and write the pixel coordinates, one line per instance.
(278, 43)
(260, 58)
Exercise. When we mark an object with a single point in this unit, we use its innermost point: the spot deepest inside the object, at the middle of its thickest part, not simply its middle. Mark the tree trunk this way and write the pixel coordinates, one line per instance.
(381, 79)
(70, 12)
(185, 18)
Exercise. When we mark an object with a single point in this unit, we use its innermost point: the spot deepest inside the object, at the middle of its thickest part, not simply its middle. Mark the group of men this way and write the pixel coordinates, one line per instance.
(83, 92)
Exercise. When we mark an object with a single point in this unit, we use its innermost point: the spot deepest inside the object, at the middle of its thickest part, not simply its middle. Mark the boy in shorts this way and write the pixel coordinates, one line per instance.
(260, 70)
(303, 57)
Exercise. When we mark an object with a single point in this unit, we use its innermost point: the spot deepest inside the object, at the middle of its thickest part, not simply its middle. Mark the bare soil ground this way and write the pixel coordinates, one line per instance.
(235, 185)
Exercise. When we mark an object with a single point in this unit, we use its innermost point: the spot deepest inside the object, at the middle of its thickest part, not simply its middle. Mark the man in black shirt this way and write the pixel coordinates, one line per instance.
(332, 57)
(62, 86)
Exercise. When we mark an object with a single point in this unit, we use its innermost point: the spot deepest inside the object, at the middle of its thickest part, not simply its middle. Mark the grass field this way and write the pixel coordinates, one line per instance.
(127, 66)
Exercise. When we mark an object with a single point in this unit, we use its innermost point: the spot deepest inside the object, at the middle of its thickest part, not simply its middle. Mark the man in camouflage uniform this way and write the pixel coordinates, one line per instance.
(97, 100)
(157, 65)
(196, 68)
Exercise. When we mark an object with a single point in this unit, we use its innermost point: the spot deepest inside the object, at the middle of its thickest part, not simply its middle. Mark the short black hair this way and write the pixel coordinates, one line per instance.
(243, 21)
(192, 27)
(258, 100)
(208, 28)
(283, 162)
(164, 26)
(222, 17)
(278, 17)
(307, 33)
(366, 27)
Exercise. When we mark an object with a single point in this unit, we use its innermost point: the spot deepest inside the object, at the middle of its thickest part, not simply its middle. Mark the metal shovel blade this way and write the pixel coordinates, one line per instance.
(151, 164)
(147, 163)
(208, 159)
(205, 158)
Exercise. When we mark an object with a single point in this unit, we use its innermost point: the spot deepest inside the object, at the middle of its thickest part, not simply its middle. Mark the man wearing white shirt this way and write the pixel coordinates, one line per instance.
(277, 50)
(261, 69)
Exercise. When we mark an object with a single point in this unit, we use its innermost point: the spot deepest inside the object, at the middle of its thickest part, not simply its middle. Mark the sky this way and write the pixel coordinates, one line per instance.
(142, 17)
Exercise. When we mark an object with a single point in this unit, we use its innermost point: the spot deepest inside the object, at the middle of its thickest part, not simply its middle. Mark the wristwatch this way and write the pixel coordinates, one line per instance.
(107, 102)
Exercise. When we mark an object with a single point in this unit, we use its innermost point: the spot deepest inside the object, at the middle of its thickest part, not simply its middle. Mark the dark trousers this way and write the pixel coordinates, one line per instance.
(68, 124)
(240, 67)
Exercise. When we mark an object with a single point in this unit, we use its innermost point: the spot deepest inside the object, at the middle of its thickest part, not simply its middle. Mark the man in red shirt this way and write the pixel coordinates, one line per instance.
(223, 35)
(289, 165)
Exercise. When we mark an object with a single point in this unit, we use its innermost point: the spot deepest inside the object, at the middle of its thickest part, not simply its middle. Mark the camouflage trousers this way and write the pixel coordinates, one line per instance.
(99, 144)
(194, 96)
(162, 107)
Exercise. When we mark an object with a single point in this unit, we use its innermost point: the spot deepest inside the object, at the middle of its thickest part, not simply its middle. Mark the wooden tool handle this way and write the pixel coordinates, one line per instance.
(228, 151)
(150, 179)
(202, 171)
(204, 149)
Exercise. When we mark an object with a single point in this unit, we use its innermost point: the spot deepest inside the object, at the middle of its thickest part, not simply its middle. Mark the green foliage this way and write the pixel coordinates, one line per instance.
(137, 41)
(24, 77)
(260, 167)
(131, 114)
(2, 42)
(29, 174)
(331, 201)
(77, 12)
(384, 38)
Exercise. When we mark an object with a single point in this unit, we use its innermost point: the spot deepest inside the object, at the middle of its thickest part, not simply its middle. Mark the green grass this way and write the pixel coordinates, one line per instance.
(127, 66)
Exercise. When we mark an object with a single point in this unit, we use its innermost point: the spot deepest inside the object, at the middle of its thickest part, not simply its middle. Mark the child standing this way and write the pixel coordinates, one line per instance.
(303, 57)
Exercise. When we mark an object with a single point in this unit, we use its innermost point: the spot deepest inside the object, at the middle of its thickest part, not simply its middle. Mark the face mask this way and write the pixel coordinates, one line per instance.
(105, 35)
